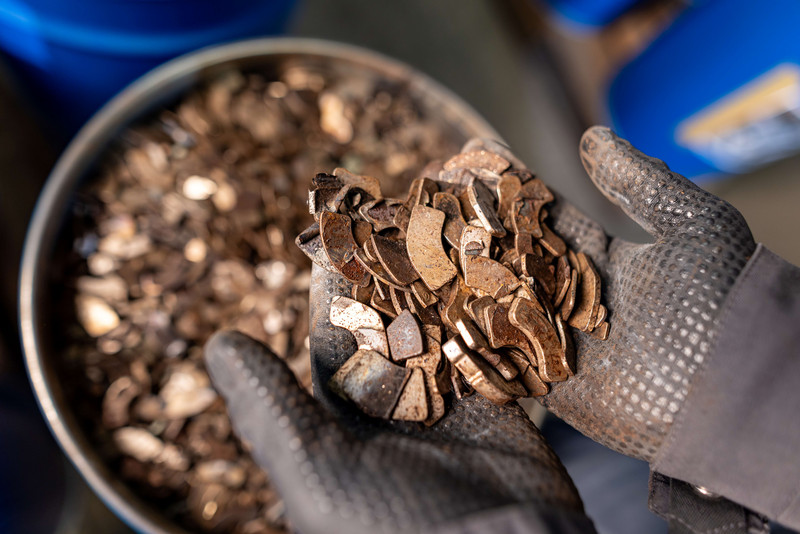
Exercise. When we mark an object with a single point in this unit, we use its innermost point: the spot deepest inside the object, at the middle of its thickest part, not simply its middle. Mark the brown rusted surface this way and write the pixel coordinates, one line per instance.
(362, 321)
(523, 242)
(481, 375)
(430, 363)
(361, 232)
(369, 184)
(572, 294)
(310, 242)
(568, 356)
(528, 375)
(405, 337)
(563, 273)
(454, 222)
(363, 294)
(550, 241)
(504, 366)
(601, 331)
(475, 241)
(375, 269)
(383, 305)
(421, 191)
(584, 316)
(398, 299)
(490, 276)
(371, 381)
(393, 257)
(423, 294)
(482, 201)
(542, 336)
(507, 188)
(413, 402)
(424, 245)
(340, 246)
(481, 159)
(475, 309)
(535, 266)
(380, 213)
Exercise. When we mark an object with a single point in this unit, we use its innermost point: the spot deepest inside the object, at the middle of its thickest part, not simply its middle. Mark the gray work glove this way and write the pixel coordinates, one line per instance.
(481, 468)
(664, 298)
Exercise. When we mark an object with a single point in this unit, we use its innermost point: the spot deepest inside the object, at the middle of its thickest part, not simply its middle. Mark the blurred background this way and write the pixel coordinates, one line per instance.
(712, 87)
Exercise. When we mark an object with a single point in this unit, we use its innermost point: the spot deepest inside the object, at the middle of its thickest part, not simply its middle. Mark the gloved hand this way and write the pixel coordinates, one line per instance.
(341, 471)
(664, 298)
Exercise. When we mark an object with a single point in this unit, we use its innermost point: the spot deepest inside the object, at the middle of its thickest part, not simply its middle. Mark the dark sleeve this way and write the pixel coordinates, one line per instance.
(521, 519)
(738, 434)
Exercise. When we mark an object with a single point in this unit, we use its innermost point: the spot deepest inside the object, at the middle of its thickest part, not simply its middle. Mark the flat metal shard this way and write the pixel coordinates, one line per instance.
(475, 241)
(423, 294)
(481, 159)
(482, 201)
(480, 375)
(490, 276)
(371, 381)
(528, 375)
(550, 241)
(362, 321)
(405, 337)
(369, 184)
(310, 242)
(393, 257)
(568, 359)
(413, 402)
(340, 246)
(568, 304)
(507, 188)
(425, 249)
(535, 266)
(584, 316)
(431, 364)
(380, 213)
(563, 273)
(543, 337)
(383, 305)
(454, 222)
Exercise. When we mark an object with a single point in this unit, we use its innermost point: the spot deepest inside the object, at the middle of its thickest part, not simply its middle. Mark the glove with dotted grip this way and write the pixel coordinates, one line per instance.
(664, 298)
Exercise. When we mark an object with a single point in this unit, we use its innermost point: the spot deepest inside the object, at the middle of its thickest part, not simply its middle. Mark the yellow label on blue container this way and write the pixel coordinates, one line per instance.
(757, 123)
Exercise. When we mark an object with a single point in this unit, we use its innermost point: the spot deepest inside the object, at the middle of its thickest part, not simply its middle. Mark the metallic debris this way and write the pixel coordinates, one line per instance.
(470, 251)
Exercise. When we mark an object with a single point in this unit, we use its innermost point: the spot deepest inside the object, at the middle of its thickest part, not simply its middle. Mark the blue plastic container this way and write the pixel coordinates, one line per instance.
(718, 91)
(590, 13)
(71, 56)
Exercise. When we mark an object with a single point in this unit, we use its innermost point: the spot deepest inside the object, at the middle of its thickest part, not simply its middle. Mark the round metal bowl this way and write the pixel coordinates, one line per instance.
(158, 89)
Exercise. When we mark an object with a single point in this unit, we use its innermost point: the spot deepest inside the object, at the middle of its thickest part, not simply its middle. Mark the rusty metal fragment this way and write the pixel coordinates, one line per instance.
(436, 375)
(568, 356)
(371, 381)
(543, 337)
(481, 375)
(601, 331)
(481, 159)
(528, 375)
(340, 246)
(422, 191)
(383, 305)
(413, 402)
(361, 232)
(475, 309)
(398, 299)
(380, 213)
(550, 241)
(482, 201)
(363, 322)
(563, 275)
(369, 184)
(454, 222)
(535, 266)
(423, 294)
(568, 304)
(310, 242)
(405, 337)
(489, 275)
(584, 316)
(393, 257)
(425, 250)
(507, 188)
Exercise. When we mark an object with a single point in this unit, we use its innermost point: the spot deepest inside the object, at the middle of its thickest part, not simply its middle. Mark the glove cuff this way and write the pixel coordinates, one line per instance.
(738, 433)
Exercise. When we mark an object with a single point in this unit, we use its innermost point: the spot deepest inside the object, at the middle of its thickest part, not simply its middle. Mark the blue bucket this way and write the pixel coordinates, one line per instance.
(70, 57)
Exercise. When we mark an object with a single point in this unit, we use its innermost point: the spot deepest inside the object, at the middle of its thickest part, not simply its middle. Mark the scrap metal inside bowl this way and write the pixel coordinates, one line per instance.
(171, 215)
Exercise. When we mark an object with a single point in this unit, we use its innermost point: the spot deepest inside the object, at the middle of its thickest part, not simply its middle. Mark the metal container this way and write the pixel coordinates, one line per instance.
(160, 88)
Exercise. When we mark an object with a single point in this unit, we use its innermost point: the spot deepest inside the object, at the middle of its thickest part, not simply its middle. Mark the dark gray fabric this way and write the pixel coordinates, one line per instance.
(521, 519)
(739, 432)
(687, 511)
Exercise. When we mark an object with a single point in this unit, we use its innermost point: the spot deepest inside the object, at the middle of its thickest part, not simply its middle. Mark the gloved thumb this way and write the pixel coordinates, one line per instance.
(659, 200)
(287, 430)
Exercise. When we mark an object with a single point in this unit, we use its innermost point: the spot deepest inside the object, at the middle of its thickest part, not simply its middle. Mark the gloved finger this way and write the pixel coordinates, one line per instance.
(659, 200)
(286, 429)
